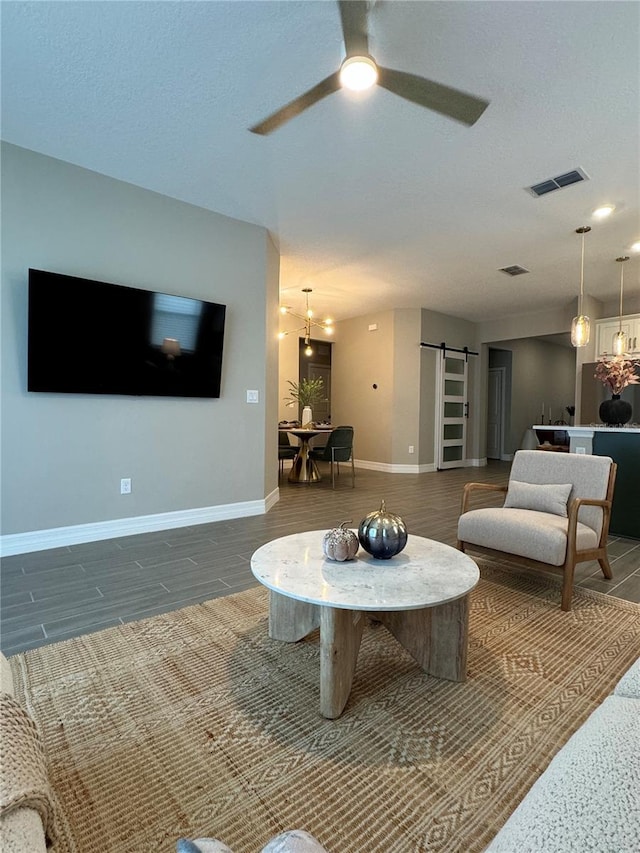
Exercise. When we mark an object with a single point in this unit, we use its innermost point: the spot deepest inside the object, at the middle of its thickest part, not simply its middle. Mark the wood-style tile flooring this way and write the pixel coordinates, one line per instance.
(53, 595)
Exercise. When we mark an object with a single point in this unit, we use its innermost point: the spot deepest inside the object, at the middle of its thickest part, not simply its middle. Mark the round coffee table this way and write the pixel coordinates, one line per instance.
(420, 595)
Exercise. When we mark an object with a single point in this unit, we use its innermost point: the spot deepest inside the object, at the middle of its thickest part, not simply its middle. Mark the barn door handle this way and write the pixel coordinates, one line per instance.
(466, 410)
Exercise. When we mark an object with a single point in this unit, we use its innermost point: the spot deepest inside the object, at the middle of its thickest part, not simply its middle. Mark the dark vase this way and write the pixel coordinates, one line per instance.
(615, 412)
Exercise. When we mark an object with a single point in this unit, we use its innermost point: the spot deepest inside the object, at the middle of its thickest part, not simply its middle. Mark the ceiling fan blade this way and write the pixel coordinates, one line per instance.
(353, 14)
(302, 102)
(452, 103)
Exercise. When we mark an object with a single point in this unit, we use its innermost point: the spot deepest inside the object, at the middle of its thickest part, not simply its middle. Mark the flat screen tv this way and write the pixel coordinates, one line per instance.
(92, 337)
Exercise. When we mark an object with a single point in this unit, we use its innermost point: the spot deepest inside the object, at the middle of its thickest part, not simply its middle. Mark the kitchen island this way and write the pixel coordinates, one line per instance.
(622, 444)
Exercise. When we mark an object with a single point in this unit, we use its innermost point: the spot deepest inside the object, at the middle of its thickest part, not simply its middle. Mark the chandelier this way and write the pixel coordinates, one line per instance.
(309, 323)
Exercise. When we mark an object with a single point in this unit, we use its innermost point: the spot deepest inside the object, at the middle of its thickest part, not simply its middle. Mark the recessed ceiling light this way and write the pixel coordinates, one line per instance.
(635, 247)
(604, 211)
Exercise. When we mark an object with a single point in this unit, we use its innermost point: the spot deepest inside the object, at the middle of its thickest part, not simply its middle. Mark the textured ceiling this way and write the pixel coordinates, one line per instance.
(373, 201)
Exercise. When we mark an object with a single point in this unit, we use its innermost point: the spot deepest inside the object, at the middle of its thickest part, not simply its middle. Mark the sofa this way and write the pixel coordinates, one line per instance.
(588, 798)
(26, 806)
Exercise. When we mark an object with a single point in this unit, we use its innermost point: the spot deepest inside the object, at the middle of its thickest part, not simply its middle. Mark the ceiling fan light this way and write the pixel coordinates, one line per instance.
(358, 73)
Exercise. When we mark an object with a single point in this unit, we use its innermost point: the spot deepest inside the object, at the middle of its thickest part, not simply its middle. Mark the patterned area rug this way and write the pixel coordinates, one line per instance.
(195, 723)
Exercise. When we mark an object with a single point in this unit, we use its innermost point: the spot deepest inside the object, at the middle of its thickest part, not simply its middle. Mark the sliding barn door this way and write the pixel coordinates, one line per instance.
(452, 410)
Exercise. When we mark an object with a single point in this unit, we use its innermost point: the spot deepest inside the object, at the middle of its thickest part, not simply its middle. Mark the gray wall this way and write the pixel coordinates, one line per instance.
(63, 455)
(400, 411)
(541, 372)
(360, 360)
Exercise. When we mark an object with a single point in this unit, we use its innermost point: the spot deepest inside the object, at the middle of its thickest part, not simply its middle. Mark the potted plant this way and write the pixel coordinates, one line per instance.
(306, 394)
(615, 374)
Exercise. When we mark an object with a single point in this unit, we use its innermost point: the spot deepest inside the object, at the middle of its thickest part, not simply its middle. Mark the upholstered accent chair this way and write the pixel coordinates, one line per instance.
(555, 514)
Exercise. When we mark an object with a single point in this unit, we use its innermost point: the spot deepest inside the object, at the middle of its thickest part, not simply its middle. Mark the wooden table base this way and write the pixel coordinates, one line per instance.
(436, 637)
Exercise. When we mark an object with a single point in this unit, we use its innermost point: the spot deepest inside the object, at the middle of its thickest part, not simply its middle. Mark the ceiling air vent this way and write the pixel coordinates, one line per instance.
(557, 183)
(513, 270)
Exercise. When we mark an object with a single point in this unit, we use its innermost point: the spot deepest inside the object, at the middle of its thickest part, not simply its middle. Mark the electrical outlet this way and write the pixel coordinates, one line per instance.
(411, 448)
(581, 451)
(125, 486)
(253, 396)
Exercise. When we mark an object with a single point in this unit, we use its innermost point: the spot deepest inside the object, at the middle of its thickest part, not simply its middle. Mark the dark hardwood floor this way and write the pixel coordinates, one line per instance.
(48, 596)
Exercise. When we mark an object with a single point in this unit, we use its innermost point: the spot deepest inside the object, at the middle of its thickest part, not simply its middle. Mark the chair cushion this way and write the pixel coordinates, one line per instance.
(588, 474)
(526, 532)
(550, 497)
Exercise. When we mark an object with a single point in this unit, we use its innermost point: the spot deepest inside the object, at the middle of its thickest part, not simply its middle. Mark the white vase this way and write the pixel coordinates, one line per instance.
(307, 415)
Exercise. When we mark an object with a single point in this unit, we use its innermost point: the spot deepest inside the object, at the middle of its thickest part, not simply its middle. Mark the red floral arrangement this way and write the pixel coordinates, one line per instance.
(616, 373)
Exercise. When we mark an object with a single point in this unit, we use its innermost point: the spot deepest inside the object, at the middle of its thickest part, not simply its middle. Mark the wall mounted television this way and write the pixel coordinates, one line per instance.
(92, 337)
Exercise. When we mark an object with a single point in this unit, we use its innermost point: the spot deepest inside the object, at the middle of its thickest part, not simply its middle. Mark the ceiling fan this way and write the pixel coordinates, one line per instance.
(359, 71)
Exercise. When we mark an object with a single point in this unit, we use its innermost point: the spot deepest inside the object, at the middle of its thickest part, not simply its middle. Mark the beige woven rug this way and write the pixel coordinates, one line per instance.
(195, 723)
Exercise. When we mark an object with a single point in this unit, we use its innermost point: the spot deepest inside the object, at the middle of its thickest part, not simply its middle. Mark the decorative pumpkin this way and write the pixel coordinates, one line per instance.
(340, 543)
(382, 534)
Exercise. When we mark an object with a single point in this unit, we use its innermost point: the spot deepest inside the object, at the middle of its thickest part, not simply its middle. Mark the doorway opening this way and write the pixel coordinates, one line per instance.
(317, 366)
(498, 403)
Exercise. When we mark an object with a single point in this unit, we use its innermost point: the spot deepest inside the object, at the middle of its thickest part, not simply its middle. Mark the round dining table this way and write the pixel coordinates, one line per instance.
(303, 467)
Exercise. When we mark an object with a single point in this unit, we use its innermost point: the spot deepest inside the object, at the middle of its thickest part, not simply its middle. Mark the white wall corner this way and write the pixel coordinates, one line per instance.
(476, 463)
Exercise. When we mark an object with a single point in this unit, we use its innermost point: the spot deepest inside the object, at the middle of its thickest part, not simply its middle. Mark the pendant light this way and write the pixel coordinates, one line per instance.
(620, 339)
(581, 325)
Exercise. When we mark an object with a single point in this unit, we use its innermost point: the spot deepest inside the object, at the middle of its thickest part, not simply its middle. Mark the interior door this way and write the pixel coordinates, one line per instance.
(452, 410)
(495, 407)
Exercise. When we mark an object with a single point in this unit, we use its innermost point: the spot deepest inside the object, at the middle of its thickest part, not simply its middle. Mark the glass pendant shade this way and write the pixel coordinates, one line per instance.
(619, 343)
(620, 339)
(581, 325)
(580, 330)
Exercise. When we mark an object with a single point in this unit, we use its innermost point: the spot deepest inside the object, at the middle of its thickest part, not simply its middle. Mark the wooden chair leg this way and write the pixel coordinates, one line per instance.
(605, 566)
(567, 584)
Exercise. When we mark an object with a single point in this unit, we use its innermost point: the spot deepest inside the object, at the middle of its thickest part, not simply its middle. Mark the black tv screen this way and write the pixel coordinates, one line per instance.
(92, 337)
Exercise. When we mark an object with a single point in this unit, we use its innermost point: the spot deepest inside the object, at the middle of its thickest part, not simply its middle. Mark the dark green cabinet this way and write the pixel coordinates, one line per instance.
(623, 448)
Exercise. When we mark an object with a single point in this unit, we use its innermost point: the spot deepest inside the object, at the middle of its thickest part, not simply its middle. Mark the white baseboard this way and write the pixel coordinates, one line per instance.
(59, 537)
(395, 468)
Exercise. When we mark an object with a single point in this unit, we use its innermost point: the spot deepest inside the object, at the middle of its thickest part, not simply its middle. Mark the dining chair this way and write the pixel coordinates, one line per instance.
(339, 448)
(286, 450)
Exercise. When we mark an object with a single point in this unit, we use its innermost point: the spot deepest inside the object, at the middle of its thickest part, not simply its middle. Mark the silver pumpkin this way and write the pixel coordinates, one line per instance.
(382, 534)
